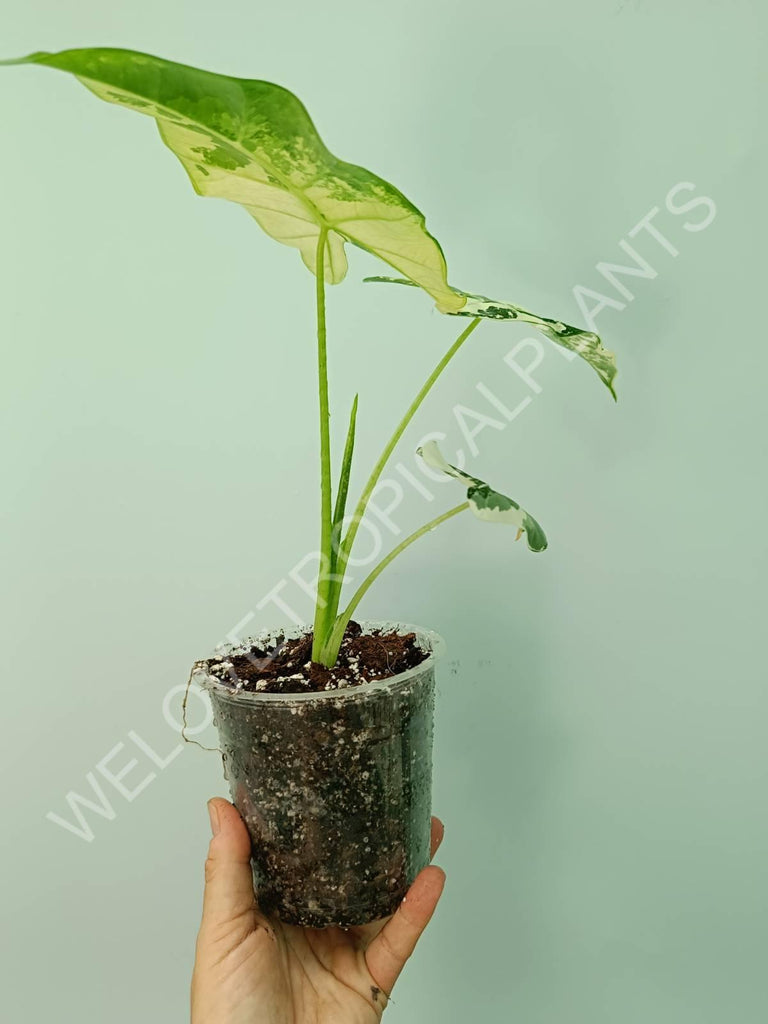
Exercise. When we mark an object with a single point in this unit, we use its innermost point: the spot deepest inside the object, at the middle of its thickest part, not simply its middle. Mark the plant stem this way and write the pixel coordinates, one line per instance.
(330, 653)
(326, 513)
(345, 548)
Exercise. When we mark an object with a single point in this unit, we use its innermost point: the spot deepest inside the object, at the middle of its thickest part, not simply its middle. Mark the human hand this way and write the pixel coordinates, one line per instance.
(250, 969)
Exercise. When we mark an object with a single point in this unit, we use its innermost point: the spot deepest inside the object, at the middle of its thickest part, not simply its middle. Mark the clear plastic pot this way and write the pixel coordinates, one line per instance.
(335, 788)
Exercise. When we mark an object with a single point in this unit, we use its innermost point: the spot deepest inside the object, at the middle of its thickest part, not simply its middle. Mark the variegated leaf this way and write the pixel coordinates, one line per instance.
(485, 503)
(586, 344)
(254, 143)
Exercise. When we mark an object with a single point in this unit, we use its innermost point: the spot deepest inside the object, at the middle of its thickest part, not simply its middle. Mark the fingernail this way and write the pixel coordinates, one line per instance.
(213, 814)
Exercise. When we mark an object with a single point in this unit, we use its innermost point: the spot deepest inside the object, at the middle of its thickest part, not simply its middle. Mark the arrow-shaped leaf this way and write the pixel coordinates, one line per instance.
(485, 503)
(586, 344)
(254, 143)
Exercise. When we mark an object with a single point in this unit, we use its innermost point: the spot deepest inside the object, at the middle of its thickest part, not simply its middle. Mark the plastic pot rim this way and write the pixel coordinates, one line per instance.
(426, 639)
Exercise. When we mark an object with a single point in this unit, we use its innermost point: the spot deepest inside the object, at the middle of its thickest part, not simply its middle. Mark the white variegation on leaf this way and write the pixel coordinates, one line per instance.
(485, 503)
(254, 143)
(586, 344)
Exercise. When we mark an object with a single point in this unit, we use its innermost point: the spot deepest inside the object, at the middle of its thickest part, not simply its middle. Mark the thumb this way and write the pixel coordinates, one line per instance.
(228, 879)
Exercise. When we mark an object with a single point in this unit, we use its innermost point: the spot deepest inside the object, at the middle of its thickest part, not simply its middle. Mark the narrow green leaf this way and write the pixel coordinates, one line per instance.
(346, 467)
(586, 344)
(253, 143)
(485, 503)
(336, 578)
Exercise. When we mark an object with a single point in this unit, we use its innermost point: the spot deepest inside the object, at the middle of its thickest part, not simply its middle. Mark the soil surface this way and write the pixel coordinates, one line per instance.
(287, 667)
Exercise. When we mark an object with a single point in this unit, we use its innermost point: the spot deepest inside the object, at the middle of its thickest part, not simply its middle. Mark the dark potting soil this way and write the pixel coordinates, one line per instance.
(287, 667)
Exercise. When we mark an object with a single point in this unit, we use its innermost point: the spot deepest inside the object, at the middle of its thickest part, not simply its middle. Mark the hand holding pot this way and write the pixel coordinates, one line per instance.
(250, 969)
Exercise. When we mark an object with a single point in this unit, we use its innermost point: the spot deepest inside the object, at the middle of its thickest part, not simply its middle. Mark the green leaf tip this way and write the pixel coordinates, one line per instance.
(486, 503)
(586, 344)
(253, 143)
(31, 58)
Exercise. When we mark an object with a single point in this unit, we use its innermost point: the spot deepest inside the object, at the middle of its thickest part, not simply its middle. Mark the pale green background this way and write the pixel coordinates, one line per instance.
(601, 754)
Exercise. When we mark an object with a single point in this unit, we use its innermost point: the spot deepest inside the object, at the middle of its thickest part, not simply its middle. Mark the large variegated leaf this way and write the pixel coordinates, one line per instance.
(586, 344)
(486, 503)
(254, 143)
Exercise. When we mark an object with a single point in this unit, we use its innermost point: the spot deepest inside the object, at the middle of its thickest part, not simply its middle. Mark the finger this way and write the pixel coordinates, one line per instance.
(228, 878)
(389, 950)
(438, 831)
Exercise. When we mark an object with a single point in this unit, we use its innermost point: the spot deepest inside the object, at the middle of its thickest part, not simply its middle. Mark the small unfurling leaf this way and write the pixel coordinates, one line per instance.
(486, 503)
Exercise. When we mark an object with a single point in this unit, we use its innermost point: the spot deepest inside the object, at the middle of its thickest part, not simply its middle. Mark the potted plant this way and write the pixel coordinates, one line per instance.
(325, 731)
